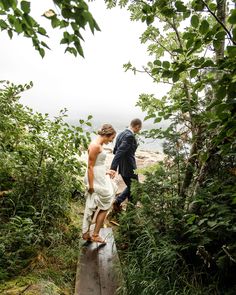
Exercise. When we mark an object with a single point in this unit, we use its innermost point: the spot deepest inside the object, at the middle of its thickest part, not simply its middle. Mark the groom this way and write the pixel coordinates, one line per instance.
(124, 159)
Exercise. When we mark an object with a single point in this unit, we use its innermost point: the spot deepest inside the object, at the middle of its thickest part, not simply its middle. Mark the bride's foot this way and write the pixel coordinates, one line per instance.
(96, 238)
(86, 237)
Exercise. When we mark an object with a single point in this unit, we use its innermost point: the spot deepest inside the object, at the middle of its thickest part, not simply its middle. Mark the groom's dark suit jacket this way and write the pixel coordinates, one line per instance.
(124, 151)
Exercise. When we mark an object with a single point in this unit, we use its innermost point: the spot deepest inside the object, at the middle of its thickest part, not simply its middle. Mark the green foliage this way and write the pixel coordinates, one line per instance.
(166, 250)
(40, 172)
(15, 17)
(188, 204)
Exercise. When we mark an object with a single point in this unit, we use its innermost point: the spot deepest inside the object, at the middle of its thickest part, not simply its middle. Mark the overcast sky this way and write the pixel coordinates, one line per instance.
(95, 85)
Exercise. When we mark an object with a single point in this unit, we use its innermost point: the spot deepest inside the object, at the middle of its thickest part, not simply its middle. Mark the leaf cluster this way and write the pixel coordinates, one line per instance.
(71, 17)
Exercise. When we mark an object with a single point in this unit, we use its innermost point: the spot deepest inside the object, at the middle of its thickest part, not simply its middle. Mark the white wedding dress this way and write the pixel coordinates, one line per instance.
(104, 191)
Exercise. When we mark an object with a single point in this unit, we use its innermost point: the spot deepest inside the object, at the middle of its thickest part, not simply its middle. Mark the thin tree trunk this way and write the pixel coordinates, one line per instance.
(219, 54)
(221, 14)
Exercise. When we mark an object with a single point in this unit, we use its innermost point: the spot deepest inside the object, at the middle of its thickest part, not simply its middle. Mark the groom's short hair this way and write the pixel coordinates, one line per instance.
(136, 122)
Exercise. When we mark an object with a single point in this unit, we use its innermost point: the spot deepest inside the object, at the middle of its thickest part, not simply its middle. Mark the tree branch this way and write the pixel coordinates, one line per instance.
(219, 21)
(159, 43)
(149, 74)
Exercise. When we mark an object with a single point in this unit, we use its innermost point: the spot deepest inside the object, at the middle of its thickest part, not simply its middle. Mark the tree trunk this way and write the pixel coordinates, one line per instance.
(221, 14)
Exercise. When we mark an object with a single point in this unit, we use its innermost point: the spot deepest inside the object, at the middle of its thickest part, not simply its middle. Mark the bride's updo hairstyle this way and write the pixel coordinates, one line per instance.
(106, 130)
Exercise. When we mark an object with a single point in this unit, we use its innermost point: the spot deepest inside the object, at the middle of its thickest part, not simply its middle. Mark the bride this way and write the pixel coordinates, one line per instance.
(100, 188)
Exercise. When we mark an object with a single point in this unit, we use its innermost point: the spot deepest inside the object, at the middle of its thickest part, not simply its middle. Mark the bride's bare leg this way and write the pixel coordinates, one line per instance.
(99, 222)
(86, 236)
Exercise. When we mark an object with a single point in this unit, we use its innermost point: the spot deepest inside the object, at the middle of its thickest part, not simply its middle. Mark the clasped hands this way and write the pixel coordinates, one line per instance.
(112, 173)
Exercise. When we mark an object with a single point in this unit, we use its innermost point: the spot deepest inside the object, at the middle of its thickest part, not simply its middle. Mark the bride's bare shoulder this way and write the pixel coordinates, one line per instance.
(94, 147)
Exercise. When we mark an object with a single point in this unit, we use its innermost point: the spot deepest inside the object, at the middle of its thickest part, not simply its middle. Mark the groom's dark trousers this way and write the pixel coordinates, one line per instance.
(124, 159)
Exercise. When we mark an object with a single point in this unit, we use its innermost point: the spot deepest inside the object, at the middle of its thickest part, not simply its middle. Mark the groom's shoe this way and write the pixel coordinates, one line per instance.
(117, 208)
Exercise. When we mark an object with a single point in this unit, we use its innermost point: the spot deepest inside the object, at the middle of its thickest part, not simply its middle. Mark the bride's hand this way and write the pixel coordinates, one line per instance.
(91, 190)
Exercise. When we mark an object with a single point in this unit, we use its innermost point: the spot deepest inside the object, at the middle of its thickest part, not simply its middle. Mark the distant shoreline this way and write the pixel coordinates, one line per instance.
(145, 144)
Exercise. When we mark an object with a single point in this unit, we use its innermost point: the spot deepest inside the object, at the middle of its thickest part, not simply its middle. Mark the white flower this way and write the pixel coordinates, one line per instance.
(49, 13)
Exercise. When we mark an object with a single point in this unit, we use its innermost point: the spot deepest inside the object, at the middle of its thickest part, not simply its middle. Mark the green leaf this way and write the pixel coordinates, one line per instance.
(221, 108)
(66, 13)
(231, 131)
(42, 31)
(204, 27)
(68, 36)
(186, 14)
(96, 26)
(71, 50)
(198, 44)
(234, 34)
(55, 22)
(157, 62)
(166, 64)
(217, 43)
(231, 51)
(197, 5)
(150, 19)
(6, 4)
(42, 52)
(232, 18)
(193, 73)
(157, 120)
(180, 6)
(13, 3)
(64, 41)
(146, 9)
(18, 26)
(166, 11)
(3, 24)
(79, 48)
(189, 43)
(191, 219)
(10, 34)
(208, 63)
(213, 124)
(202, 221)
(212, 223)
(11, 18)
(91, 24)
(18, 12)
(188, 35)
(175, 77)
(221, 93)
(25, 6)
(195, 21)
(178, 50)
(64, 24)
(155, 71)
(29, 20)
(44, 45)
(166, 74)
(220, 35)
(212, 6)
